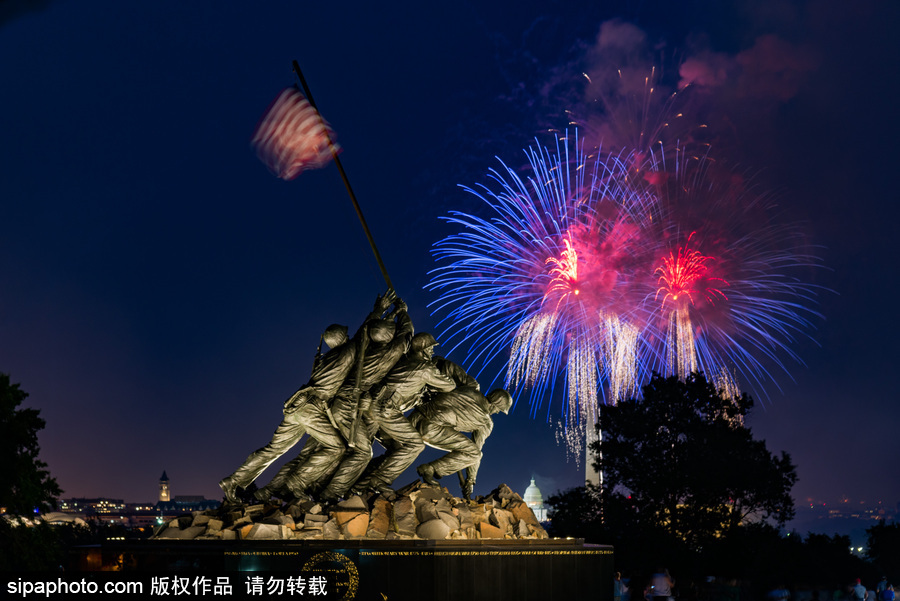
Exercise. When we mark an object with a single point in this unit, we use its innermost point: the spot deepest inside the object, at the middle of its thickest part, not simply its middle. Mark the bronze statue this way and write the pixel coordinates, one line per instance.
(456, 372)
(361, 389)
(305, 412)
(352, 402)
(441, 423)
(399, 392)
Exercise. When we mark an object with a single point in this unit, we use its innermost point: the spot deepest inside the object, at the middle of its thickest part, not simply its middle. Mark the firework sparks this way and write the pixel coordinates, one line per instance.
(578, 275)
(550, 277)
(681, 277)
(532, 350)
(621, 345)
(564, 274)
(732, 294)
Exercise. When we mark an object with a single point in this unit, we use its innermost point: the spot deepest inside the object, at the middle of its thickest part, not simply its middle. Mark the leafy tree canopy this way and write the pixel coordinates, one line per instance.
(679, 463)
(685, 484)
(25, 483)
(883, 548)
(682, 460)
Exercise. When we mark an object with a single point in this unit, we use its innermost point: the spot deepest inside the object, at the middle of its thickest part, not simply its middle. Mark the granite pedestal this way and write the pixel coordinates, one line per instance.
(470, 570)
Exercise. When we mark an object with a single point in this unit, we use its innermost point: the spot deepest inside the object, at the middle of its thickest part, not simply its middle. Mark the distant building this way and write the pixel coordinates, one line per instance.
(93, 506)
(169, 505)
(106, 511)
(164, 488)
(57, 517)
(535, 501)
(187, 504)
(130, 515)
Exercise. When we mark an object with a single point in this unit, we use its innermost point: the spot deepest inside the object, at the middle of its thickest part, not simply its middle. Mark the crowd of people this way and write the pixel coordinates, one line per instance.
(884, 591)
(660, 587)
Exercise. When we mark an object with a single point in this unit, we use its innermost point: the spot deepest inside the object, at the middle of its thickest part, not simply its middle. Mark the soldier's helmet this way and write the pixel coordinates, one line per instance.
(381, 330)
(422, 341)
(500, 400)
(335, 335)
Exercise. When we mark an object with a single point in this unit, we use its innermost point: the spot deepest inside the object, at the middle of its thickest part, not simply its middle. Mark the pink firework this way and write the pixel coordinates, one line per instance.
(682, 275)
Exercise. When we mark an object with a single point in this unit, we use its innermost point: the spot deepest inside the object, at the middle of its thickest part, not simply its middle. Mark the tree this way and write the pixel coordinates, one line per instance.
(682, 461)
(25, 483)
(883, 549)
(576, 510)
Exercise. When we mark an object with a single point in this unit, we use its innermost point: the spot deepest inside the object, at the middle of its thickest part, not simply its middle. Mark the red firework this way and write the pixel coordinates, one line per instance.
(564, 273)
(683, 275)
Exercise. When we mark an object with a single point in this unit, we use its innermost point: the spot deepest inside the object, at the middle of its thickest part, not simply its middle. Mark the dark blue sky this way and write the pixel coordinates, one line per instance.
(161, 293)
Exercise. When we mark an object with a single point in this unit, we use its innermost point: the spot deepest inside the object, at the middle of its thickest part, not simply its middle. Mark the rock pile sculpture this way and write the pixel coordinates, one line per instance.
(419, 512)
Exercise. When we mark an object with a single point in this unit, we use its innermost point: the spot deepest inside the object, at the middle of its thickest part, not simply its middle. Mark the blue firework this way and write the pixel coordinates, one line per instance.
(590, 272)
(547, 279)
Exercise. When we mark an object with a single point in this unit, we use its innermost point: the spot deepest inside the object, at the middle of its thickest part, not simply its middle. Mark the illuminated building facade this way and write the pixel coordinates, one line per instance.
(164, 488)
(535, 501)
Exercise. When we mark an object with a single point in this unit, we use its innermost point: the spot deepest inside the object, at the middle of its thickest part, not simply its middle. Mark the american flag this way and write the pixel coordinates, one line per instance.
(291, 137)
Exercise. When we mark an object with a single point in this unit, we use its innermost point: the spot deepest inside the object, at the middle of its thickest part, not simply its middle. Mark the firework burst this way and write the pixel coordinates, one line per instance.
(550, 277)
(731, 294)
(680, 276)
(579, 276)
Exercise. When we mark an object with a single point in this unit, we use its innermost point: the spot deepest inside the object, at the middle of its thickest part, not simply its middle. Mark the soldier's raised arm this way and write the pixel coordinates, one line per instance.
(405, 328)
(382, 303)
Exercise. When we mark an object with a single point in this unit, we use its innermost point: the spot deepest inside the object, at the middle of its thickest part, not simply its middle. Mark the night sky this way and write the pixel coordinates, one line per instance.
(161, 293)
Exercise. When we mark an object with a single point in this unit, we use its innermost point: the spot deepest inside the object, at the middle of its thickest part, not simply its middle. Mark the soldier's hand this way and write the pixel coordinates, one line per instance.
(399, 305)
(383, 302)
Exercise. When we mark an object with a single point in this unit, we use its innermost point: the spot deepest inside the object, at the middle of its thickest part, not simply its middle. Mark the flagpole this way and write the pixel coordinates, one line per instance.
(340, 167)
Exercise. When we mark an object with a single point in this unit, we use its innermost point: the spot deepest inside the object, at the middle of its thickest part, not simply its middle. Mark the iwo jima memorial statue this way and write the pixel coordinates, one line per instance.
(332, 508)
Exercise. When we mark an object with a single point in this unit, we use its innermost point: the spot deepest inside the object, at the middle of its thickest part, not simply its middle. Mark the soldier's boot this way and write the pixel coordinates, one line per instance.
(426, 472)
(263, 494)
(361, 486)
(382, 488)
(230, 489)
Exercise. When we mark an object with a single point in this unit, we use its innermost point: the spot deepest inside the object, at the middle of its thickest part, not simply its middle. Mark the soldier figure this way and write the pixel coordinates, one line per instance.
(352, 402)
(400, 391)
(442, 421)
(304, 412)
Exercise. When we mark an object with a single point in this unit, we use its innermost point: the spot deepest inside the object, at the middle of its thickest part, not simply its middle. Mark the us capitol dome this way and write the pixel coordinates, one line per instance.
(535, 501)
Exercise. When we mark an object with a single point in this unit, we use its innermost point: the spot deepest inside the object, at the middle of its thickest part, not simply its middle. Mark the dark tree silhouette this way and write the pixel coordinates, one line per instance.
(883, 549)
(576, 512)
(25, 483)
(686, 486)
(683, 461)
(679, 468)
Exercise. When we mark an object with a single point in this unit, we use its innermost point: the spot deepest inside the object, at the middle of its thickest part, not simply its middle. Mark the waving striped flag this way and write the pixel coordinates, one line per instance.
(292, 137)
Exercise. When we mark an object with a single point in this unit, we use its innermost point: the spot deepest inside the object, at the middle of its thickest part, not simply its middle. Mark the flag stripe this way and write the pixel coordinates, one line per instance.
(291, 136)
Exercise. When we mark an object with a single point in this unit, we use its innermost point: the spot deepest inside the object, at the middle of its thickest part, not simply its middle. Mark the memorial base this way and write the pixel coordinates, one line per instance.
(470, 570)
